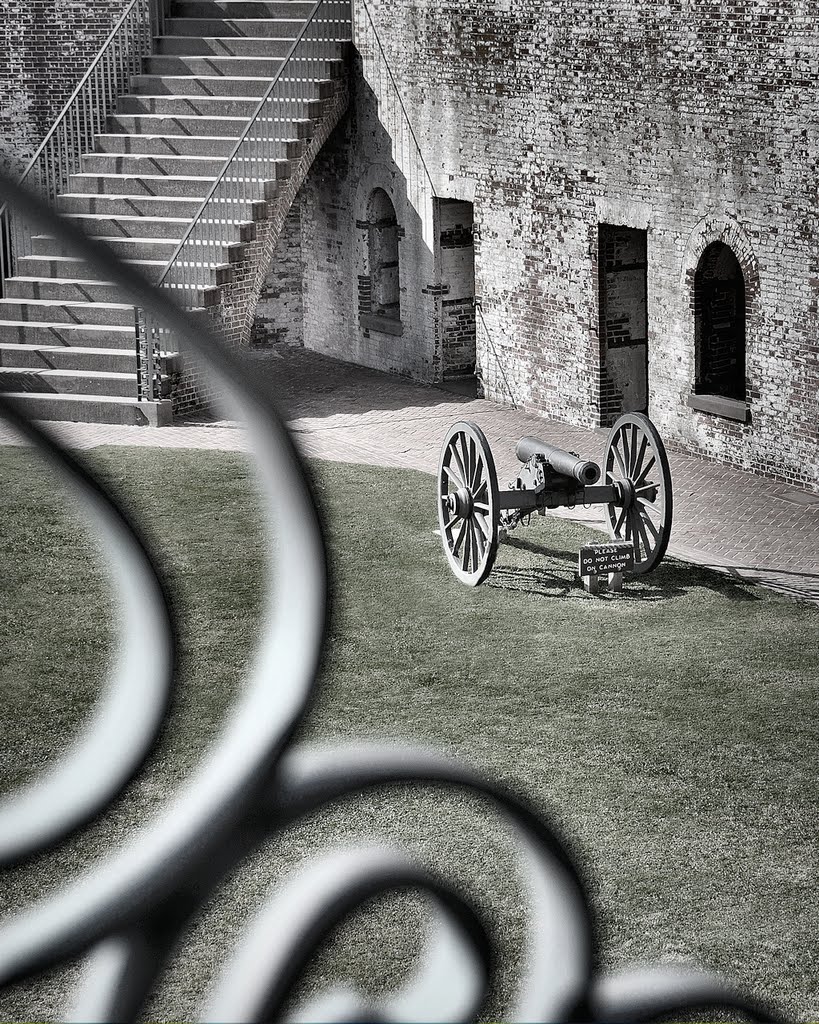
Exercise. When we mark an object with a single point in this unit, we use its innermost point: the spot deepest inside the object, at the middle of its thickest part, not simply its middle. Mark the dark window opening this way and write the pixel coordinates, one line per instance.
(720, 324)
(382, 244)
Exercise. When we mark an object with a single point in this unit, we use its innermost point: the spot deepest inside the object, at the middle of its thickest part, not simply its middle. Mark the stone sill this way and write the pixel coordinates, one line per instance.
(383, 324)
(717, 405)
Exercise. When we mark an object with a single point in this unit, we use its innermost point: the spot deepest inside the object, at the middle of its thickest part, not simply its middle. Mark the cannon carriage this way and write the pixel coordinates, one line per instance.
(474, 515)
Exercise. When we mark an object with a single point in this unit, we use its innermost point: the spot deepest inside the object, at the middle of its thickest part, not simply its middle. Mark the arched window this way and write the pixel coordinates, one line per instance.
(382, 244)
(720, 324)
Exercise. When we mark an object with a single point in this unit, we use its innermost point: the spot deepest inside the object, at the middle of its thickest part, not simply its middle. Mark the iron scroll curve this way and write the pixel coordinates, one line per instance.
(128, 910)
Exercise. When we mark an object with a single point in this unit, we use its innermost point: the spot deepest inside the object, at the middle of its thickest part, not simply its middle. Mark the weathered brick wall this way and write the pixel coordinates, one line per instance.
(357, 160)
(45, 48)
(280, 310)
(695, 122)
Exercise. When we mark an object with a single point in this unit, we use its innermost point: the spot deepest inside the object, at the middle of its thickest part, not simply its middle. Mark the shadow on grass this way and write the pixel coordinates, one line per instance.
(558, 578)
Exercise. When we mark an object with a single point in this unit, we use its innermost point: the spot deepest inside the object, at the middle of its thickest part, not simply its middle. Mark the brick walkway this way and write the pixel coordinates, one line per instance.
(754, 528)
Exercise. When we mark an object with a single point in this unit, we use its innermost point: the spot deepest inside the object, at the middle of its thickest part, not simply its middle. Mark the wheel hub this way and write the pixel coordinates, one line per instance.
(625, 493)
(460, 503)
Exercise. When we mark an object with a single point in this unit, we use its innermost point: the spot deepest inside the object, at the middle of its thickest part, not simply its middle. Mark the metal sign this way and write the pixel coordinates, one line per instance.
(601, 559)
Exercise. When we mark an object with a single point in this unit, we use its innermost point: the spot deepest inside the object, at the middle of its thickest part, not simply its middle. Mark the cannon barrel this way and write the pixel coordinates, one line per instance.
(560, 461)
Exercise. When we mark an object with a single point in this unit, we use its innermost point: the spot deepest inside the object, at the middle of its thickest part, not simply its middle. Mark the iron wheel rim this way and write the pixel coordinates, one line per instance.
(636, 460)
(469, 534)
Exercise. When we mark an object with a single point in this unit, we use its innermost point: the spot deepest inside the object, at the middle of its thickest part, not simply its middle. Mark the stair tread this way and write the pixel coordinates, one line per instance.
(79, 259)
(74, 303)
(50, 396)
(141, 96)
(165, 138)
(192, 116)
(201, 157)
(159, 177)
(127, 217)
(50, 372)
(83, 350)
(61, 280)
(234, 20)
(118, 238)
(116, 197)
(47, 325)
(218, 39)
(226, 78)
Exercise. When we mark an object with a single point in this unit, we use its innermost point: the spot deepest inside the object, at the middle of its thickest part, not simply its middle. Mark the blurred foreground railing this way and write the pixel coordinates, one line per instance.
(128, 912)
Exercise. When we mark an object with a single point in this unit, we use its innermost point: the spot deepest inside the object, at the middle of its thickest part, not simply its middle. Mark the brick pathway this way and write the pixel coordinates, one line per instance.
(754, 528)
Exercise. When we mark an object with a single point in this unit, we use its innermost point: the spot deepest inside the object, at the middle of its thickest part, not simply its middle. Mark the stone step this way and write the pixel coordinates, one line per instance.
(147, 123)
(99, 226)
(187, 186)
(167, 145)
(222, 46)
(181, 207)
(69, 381)
(56, 290)
(220, 87)
(233, 9)
(199, 85)
(71, 268)
(67, 335)
(181, 145)
(139, 164)
(58, 357)
(100, 409)
(255, 28)
(124, 248)
(224, 66)
(198, 106)
(51, 311)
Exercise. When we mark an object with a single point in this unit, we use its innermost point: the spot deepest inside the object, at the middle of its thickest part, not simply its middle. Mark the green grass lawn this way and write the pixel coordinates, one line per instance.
(670, 731)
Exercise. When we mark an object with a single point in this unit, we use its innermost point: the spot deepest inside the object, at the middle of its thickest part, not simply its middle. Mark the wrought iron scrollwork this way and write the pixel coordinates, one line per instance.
(127, 913)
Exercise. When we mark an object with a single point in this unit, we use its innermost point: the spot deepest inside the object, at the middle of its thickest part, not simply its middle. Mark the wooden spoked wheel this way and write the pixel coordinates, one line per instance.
(637, 464)
(468, 503)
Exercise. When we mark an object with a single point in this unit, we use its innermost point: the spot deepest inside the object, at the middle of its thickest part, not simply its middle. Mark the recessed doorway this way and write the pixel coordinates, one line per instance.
(456, 242)
(623, 270)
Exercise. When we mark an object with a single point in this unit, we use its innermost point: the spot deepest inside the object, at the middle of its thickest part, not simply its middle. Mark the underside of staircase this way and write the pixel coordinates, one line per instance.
(68, 347)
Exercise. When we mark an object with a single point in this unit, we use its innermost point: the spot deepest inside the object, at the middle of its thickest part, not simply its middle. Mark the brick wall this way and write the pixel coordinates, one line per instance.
(337, 239)
(694, 122)
(45, 48)
(280, 311)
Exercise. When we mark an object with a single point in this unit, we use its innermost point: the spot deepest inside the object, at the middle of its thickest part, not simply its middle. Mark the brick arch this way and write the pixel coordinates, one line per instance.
(725, 229)
(378, 178)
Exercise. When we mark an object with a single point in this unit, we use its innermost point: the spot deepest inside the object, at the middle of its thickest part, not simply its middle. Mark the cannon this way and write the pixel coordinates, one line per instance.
(474, 515)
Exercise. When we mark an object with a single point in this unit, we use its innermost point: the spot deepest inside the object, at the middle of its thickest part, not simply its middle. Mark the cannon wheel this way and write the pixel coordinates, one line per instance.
(468, 503)
(635, 460)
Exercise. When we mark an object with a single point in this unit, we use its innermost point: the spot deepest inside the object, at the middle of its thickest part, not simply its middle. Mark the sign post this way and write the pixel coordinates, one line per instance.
(611, 560)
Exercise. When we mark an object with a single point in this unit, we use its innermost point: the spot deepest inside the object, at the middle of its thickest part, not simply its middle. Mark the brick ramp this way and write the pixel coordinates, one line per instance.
(756, 529)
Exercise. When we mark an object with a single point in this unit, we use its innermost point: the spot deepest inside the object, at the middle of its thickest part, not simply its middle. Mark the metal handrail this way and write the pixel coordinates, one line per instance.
(239, 142)
(398, 96)
(243, 177)
(82, 117)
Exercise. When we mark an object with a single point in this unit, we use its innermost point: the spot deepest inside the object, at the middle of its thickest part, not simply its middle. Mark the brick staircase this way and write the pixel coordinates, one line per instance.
(67, 338)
